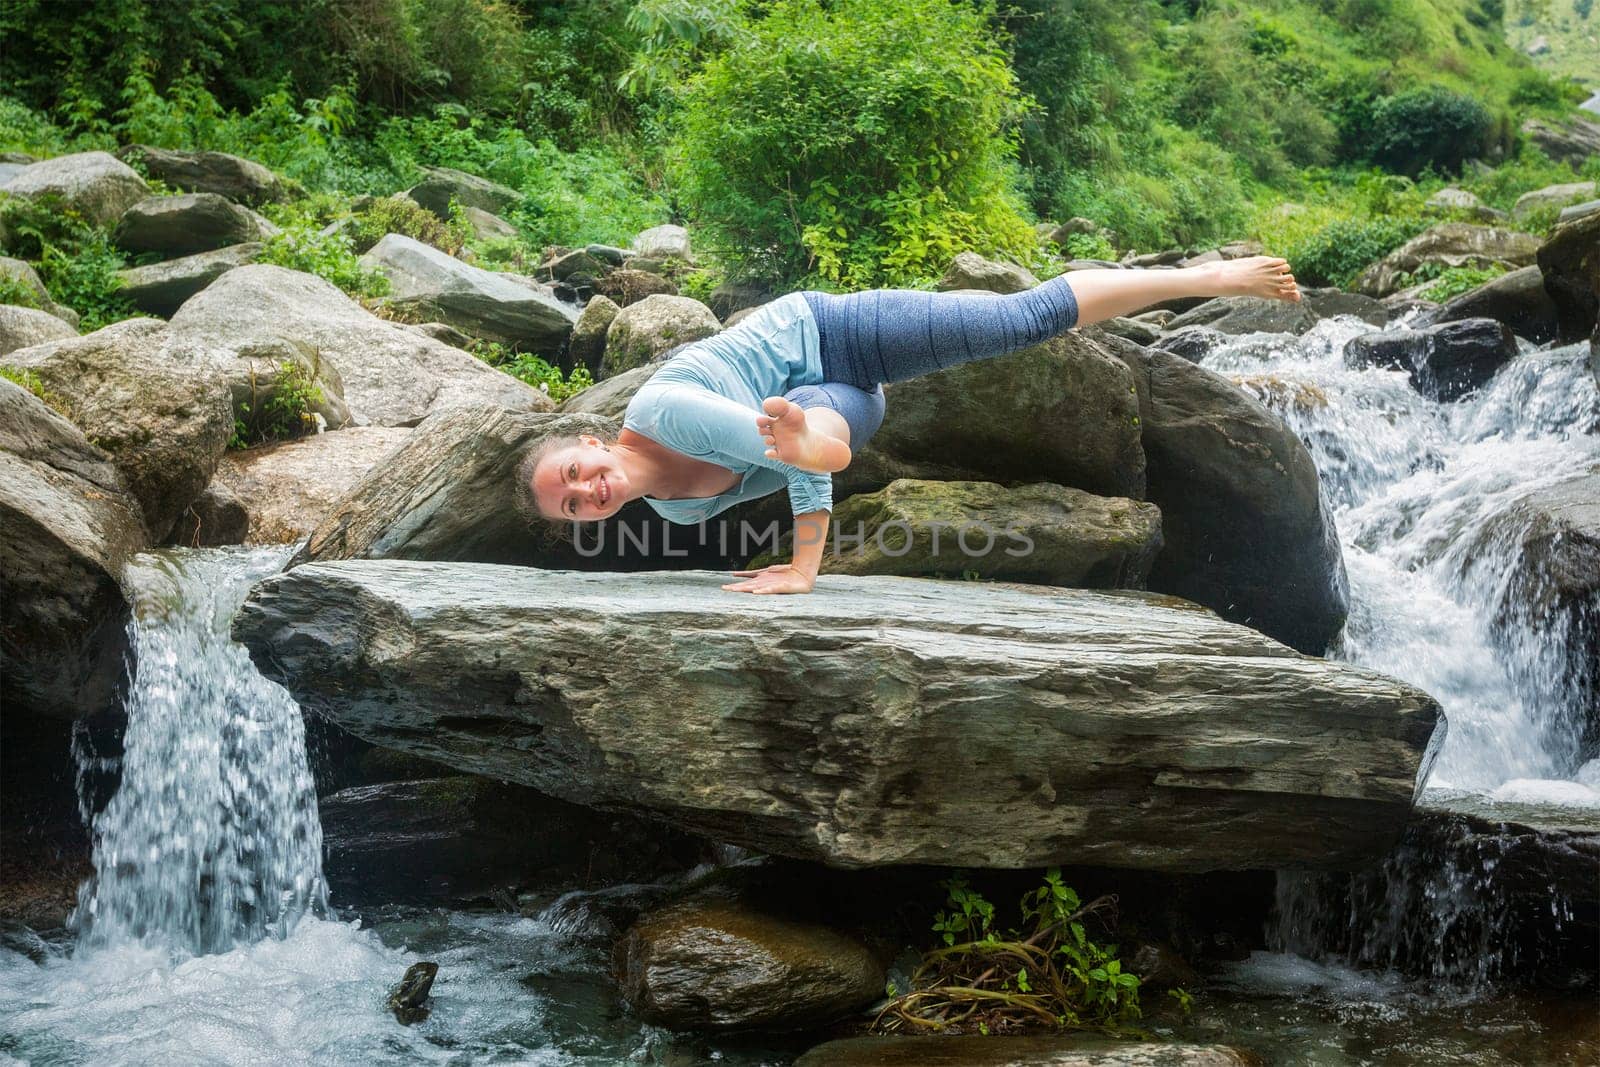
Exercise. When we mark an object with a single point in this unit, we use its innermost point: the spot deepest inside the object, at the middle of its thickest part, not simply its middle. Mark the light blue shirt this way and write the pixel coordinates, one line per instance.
(704, 401)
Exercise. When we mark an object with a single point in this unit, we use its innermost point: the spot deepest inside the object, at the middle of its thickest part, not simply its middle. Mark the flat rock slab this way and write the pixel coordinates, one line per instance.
(975, 1050)
(876, 721)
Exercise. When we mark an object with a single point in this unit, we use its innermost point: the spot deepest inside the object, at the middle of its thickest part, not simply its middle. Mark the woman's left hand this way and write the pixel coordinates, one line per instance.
(778, 578)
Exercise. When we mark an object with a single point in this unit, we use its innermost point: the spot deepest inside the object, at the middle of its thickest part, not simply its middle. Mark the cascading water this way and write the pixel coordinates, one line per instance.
(212, 838)
(1432, 505)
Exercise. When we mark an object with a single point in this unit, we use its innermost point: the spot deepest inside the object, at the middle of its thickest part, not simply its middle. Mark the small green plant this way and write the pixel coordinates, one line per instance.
(13, 290)
(303, 246)
(534, 370)
(1449, 282)
(31, 382)
(1050, 974)
(282, 410)
(402, 215)
(1088, 246)
(1339, 251)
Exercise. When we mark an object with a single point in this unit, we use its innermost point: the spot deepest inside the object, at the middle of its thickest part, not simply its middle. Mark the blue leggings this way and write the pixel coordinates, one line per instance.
(889, 335)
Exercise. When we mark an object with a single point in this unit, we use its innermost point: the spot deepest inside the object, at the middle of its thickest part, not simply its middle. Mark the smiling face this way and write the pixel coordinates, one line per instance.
(580, 483)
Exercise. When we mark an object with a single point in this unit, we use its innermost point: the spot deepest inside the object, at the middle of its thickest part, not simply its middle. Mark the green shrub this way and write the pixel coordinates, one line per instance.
(534, 370)
(865, 143)
(402, 215)
(84, 278)
(1429, 126)
(1343, 248)
(13, 290)
(1450, 282)
(301, 245)
(278, 411)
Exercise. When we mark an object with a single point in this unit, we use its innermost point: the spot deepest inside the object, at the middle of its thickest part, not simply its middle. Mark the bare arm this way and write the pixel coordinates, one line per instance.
(799, 575)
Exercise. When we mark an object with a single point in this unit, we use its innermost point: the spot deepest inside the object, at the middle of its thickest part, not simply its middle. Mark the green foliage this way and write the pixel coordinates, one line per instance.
(1088, 246)
(1340, 250)
(402, 215)
(30, 381)
(13, 290)
(302, 245)
(1450, 282)
(864, 143)
(281, 410)
(1049, 974)
(534, 370)
(84, 278)
(1428, 127)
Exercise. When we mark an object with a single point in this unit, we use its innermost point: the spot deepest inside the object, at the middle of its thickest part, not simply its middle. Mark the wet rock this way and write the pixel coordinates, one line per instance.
(161, 288)
(1192, 343)
(1043, 533)
(67, 526)
(254, 318)
(193, 222)
(442, 185)
(22, 272)
(240, 180)
(1142, 333)
(627, 286)
(1445, 362)
(610, 397)
(22, 327)
(971, 271)
(1247, 532)
(1574, 141)
(1570, 262)
(95, 184)
(1552, 196)
(832, 726)
(1517, 298)
(1327, 302)
(164, 419)
(975, 1050)
(479, 302)
(643, 332)
(289, 487)
(1248, 314)
(216, 517)
(718, 965)
(1449, 244)
(409, 1000)
(588, 343)
(663, 242)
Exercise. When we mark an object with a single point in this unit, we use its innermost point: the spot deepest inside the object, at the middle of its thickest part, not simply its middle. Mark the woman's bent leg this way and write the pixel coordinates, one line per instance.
(818, 427)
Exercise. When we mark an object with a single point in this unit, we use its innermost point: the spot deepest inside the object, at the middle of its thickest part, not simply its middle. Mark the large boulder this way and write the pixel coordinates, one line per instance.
(480, 302)
(172, 226)
(240, 180)
(164, 417)
(587, 346)
(1065, 411)
(287, 488)
(1040, 533)
(839, 726)
(644, 332)
(663, 242)
(1552, 196)
(611, 397)
(97, 185)
(983, 1050)
(1445, 362)
(1517, 298)
(1570, 262)
(1246, 529)
(715, 964)
(1575, 141)
(628, 286)
(254, 318)
(21, 273)
(1329, 301)
(22, 327)
(1453, 200)
(1248, 314)
(971, 271)
(161, 288)
(1449, 244)
(441, 185)
(67, 525)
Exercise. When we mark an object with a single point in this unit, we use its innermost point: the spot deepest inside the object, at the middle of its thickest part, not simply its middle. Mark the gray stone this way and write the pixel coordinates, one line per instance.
(718, 965)
(193, 222)
(240, 180)
(665, 242)
(1119, 729)
(478, 302)
(1169, 258)
(611, 255)
(971, 271)
(1452, 198)
(610, 398)
(443, 184)
(1445, 362)
(96, 184)
(1193, 343)
(1248, 314)
(487, 226)
(1328, 302)
(254, 318)
(730, 298)
(216, 517)
(22, 327)
(165, 418)
(443, 331)
(569, 264)
(1552, 196)
(1569, 259)
(587, 346)
(1449, 244)
(67, 525)
(1517, 298)
(1143, 333)
(289, 487)
(161, 288)
(626, 286)
(644, 332)
(978, 1050)
(1247, 532)
(22, 271)
(1075, 225)
(1575, 141)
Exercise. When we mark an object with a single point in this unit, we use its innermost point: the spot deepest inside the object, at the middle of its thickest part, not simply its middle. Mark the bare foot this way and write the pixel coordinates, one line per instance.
(796, 442)
(1266, 276)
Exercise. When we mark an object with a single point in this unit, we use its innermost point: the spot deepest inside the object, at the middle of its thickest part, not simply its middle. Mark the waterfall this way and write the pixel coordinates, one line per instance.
(212, 838)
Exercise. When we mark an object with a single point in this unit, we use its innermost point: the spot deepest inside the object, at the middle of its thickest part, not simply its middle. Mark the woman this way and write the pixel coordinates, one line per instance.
(782, 399)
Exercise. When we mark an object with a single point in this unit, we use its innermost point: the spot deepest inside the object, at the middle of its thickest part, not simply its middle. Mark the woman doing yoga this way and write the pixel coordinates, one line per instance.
(782, 399)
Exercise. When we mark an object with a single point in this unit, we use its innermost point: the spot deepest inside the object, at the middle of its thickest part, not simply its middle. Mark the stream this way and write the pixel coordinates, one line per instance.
(208, 931)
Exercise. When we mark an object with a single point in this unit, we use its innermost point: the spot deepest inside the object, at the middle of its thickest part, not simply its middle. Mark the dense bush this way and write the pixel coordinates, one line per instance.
(864, 143)
(1428, 127)
(402, 215)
